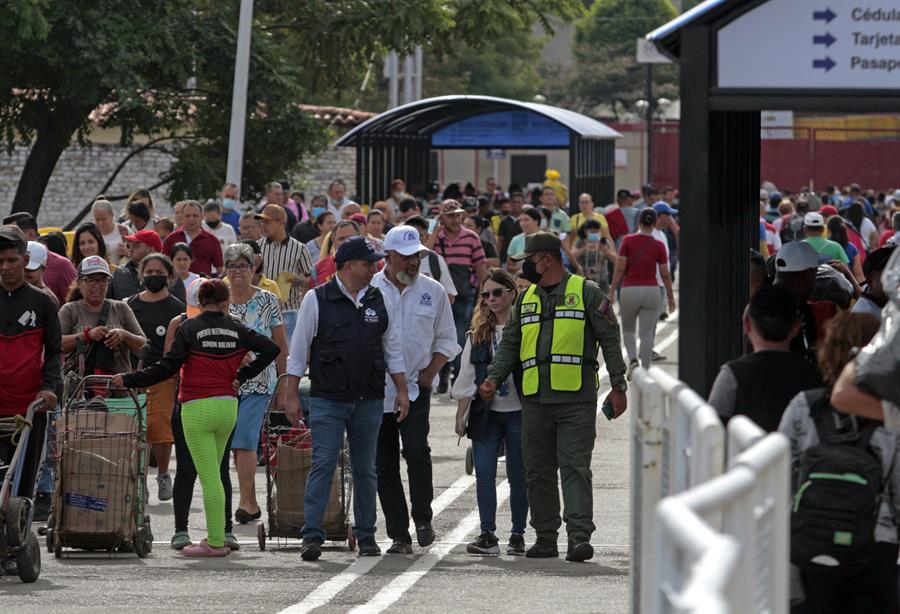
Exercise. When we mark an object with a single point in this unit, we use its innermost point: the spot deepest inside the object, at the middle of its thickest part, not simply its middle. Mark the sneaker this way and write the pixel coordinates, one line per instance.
(579, 552)
(311, 549)
(368, 547)
(400, 548)
(631, 367)
(425, 534)
(663, 316)
(443, 386)
(164, 486)
(180, 540)
(516, 545)
(657, 357)
(543, 549)
(41, 507)
(486, 543)
(231, 542)
(204, 549)
(9, 567)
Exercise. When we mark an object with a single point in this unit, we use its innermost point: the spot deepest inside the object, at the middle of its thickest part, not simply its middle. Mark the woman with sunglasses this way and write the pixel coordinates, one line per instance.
(497, 424)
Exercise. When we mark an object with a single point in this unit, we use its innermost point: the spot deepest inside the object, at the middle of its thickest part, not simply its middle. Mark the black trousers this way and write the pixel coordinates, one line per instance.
(413, 432)
(31, 461)
(186, 477)
(871, 590)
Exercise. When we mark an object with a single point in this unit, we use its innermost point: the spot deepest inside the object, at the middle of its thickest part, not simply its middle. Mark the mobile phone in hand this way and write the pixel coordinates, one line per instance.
(608, 410)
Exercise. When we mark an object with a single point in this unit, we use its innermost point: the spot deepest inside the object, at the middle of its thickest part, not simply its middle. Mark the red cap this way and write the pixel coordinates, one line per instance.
(828, 210)
(359, 218)
(148, 237)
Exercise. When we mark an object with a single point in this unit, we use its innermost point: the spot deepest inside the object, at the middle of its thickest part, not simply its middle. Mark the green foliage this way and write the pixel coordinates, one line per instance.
(605, 70)
(67, 67)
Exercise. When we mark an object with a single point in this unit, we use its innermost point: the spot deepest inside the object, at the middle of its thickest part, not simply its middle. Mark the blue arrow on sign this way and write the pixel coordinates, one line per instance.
(827, 15)
(827, 63)
(827, 39)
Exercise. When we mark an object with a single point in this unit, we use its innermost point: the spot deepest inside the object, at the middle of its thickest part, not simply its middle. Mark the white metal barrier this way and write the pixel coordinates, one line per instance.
(677, 442)
(703, 541)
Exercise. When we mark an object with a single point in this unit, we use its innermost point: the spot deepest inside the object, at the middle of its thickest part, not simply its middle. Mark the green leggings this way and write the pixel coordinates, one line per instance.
(207, 424)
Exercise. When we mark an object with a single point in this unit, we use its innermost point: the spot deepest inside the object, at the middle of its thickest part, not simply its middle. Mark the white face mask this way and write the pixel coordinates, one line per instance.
(399, 194)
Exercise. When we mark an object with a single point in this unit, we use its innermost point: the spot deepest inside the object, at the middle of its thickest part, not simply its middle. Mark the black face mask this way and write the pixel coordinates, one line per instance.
(529, 272)
(214, 223)
(155, 283)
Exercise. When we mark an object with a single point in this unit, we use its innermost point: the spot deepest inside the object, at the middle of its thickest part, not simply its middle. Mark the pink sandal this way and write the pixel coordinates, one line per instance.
(204, 549)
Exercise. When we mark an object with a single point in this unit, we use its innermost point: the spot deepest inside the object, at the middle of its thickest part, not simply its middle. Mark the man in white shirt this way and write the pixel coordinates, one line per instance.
(346, 335)
(213, 224)
(421, 304)
(441, 273)
(337, 197)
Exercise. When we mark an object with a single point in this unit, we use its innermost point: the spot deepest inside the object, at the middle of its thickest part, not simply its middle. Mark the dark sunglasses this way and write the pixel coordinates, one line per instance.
(496, 293)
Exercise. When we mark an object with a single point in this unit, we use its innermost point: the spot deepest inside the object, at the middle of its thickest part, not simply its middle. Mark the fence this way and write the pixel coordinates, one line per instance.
(704, 540)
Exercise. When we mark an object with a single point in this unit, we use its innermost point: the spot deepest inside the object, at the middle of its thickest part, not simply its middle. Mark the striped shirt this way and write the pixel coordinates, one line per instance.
(465, 250)
(289, 256)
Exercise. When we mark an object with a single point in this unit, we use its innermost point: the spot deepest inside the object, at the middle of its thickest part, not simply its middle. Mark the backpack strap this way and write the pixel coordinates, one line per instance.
(435, 265)
(828, 421)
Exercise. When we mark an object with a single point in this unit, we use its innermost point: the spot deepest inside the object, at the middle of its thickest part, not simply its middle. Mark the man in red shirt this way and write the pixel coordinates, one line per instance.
(204, 245)
(30, 343)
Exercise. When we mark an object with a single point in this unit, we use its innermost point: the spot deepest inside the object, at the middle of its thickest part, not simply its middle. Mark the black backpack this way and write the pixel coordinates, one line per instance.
(838, 495)
(792, 229)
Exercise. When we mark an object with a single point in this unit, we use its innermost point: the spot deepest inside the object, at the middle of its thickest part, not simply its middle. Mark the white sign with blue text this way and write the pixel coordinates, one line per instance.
(813, 44)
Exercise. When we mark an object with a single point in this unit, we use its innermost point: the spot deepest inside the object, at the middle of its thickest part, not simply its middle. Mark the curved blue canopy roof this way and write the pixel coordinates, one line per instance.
(478, 122)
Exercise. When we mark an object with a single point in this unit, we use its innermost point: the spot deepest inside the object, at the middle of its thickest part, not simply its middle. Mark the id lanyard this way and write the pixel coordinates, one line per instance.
(503, 390)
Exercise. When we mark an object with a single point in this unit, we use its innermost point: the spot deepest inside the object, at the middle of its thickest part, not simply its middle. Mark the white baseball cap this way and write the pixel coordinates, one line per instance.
(404, 240)
(92, 265)
(796, 256)
(814, 219)
(37, 256)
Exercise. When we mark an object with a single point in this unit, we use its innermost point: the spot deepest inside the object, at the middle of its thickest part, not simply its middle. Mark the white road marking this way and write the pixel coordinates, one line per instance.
(393, 591)
(327, 591)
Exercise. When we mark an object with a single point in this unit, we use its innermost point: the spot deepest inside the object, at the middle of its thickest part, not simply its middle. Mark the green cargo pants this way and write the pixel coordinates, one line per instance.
(559, 437)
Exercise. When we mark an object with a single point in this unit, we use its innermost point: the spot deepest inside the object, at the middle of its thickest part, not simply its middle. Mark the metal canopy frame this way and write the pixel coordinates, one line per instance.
(398, 142)
(719, 181)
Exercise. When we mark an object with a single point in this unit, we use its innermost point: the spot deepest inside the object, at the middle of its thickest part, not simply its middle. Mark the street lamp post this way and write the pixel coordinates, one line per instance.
(239, 96)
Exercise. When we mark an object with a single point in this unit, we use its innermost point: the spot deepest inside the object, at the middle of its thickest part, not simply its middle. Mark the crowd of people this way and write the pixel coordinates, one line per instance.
(382, 306)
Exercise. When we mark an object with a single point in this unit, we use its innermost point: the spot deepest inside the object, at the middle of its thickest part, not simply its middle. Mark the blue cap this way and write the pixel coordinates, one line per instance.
(357, 248)
(663, 207)
(775, 197)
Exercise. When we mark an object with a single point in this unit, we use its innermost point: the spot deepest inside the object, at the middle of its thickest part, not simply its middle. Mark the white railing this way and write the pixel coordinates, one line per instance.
(704, 541)
(677, 442)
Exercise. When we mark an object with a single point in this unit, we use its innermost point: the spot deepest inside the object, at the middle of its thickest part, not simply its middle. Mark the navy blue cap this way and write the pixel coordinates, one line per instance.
(357, 248)
(663, 207)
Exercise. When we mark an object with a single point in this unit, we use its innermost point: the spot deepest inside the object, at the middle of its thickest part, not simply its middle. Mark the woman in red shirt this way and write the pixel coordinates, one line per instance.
(641, 256)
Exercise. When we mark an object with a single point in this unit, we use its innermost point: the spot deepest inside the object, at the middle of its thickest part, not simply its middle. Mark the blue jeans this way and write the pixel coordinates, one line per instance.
(501, 426)
(327, 422)
(462, 309)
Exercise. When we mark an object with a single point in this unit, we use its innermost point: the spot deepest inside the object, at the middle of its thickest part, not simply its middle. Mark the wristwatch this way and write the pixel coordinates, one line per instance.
(621, 387)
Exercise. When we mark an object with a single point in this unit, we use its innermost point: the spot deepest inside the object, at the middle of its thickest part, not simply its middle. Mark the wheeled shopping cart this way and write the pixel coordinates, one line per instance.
(100, 489)
(17, 540)
(287, 456)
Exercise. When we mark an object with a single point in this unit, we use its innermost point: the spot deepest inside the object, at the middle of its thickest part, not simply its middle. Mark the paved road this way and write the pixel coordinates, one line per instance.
(440, 578)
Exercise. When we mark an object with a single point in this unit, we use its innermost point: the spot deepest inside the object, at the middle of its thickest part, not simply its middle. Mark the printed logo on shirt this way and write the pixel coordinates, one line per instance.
(425, 300)
(160, 331)
(370, 316)
(28, 318)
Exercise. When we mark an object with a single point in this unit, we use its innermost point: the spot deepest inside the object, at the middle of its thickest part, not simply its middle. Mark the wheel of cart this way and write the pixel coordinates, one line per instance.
(100, 490)
(17, 540)
(287, 457)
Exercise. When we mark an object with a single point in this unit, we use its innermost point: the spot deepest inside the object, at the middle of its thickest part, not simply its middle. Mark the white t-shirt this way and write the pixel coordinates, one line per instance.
(660, 236)
(866, 230)
(113, 240)
(224, 233)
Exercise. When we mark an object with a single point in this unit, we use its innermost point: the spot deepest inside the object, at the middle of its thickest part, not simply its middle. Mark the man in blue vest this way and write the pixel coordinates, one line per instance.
(343, 331)
(551, 343)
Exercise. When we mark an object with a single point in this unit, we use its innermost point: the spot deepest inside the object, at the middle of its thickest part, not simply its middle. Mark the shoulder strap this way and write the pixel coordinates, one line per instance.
(631, 261)
(104, 313)
(435, 265)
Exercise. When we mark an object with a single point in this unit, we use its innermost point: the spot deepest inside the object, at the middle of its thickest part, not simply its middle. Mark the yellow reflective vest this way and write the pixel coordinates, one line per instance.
(567, 345)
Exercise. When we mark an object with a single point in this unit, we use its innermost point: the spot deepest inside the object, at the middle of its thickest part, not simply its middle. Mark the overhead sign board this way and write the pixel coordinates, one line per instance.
(647, 53)
(813, 44)
(503, 129)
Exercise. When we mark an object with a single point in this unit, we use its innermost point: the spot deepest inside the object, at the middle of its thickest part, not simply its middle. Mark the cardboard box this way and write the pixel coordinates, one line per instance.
(99, 422)
(290, 487)
(98, 484)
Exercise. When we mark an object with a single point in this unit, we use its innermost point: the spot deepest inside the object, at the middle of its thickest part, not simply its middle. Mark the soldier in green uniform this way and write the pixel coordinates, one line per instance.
(550, 345)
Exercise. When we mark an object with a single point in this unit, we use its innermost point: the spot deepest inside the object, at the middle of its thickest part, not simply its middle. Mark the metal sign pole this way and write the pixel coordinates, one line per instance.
(239, 96)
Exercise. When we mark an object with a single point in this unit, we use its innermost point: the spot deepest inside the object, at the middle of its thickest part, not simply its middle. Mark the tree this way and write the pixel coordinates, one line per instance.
(605, 70)
(67, 67)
